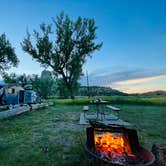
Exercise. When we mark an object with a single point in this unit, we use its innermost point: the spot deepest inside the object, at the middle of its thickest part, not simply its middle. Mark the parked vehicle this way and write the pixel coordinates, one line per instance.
(12, 94)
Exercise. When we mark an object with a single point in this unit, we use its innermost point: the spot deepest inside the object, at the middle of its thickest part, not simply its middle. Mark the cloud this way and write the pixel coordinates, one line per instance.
(130, 80)
(140, 80)
(112, 76)
(141, 85)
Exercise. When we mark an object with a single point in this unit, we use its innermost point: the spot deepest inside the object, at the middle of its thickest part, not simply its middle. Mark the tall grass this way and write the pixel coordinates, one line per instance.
(158, 101)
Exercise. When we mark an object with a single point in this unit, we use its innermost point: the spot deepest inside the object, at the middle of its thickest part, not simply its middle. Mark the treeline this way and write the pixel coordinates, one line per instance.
(98, 91)
(44, 84)
(47, 84)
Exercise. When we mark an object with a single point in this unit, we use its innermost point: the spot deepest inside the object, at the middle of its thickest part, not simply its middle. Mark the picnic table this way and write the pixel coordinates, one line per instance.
(98, 103)
(100, 115)
(100, 109)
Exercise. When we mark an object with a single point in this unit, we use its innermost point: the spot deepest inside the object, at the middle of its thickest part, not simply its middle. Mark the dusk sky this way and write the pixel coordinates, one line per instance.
(133, 32)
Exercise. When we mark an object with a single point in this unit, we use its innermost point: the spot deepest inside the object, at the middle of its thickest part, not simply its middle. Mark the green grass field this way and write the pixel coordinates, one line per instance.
(53, 137)
(131, 100)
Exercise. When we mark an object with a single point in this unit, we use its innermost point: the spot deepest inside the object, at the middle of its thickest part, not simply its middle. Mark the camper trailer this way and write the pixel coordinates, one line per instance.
(12, 94)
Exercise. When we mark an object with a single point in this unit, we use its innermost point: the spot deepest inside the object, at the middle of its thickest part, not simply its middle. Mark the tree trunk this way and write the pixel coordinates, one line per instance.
(71, 92)
(68, 85)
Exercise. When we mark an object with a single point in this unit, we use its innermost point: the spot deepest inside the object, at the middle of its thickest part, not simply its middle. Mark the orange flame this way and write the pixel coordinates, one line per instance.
(112, 143)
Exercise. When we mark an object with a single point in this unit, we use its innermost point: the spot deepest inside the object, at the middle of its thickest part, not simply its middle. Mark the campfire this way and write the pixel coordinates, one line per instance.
(112, 146)
(116, 145)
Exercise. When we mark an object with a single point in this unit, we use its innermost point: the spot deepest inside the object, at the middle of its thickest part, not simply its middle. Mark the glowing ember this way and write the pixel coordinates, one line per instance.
(112, 146)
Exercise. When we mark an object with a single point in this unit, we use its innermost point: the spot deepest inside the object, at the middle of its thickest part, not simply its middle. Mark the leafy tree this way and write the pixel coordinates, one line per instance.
(62, 90)
(8, 57)
(16, 79)
(10, 78)
(42, 85)
(65, 49)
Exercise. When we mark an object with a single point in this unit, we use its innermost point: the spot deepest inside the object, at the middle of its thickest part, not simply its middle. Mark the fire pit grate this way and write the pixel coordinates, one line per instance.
(116, 145)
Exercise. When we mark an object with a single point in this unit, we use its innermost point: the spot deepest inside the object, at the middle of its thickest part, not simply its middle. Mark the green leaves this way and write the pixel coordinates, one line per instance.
(16, 79)
(43, 85)
(65, 49)
(8, 57)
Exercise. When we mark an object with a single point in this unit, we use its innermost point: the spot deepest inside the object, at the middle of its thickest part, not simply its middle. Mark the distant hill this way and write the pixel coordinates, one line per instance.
(155, 93)
(99, 91)
(107, 91)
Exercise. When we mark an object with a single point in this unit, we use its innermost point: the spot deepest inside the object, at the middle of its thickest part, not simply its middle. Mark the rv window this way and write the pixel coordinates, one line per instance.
(11, 90)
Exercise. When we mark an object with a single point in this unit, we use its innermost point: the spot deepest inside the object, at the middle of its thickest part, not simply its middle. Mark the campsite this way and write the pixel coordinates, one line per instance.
(82, 83)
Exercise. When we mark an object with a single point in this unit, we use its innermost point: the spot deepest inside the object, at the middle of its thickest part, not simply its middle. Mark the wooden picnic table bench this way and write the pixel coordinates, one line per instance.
(115, 109)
